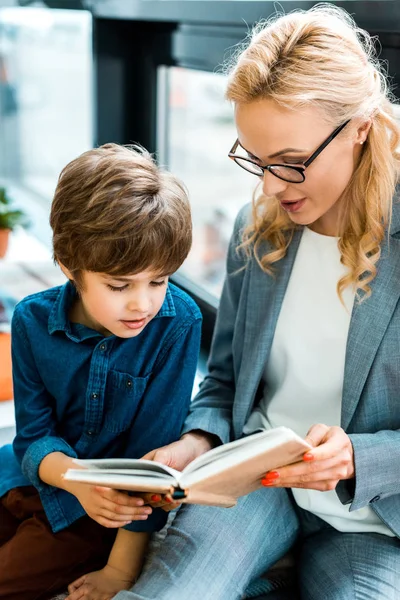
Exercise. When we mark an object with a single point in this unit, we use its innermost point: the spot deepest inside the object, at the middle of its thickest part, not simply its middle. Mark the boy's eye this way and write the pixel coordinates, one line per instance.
(158, 283)
(114, 288)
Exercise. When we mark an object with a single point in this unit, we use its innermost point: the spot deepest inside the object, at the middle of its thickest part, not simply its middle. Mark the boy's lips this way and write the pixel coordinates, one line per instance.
(134, 323)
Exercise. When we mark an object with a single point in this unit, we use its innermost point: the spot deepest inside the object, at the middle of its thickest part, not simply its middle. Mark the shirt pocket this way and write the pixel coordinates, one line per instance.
(124, 394)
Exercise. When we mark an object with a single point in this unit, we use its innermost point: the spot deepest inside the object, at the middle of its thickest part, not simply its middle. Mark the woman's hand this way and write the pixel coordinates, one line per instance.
(99, 585)
(177, 455)
(109, 507)
(330, 461)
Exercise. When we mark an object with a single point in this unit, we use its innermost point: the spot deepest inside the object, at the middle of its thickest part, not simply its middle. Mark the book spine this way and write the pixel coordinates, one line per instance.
(179, 494)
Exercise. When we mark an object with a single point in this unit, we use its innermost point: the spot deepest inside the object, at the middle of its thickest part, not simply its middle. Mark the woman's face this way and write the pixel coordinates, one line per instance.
(275, 135)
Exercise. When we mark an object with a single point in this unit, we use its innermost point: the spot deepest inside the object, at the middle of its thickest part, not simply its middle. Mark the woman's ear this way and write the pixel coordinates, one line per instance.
(66, 271)
(362, 131)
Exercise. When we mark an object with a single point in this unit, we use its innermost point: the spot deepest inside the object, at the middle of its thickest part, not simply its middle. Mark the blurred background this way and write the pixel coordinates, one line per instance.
(78, 73)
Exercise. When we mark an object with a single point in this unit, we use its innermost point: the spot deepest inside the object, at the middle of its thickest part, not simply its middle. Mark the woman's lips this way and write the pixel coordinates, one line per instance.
(293, 205)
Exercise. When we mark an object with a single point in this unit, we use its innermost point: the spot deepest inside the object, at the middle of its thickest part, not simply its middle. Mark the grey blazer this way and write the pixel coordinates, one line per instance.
(250, 304)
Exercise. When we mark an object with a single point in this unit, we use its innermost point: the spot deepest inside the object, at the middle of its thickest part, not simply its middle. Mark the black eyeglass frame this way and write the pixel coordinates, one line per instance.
(299, 170)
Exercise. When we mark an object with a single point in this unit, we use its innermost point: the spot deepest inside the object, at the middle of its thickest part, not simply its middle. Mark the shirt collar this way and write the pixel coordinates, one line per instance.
(59, 321)
(168, 307)
(58, 318)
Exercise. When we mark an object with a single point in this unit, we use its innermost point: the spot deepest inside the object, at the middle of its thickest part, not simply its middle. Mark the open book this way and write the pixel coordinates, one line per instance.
(218, 477)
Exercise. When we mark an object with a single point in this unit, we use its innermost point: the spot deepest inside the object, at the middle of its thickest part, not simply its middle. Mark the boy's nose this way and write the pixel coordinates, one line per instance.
(139, 304)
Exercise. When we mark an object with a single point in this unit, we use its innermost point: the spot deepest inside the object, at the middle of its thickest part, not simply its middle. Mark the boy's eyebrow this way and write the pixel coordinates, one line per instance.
(129, 279)
(121, 279)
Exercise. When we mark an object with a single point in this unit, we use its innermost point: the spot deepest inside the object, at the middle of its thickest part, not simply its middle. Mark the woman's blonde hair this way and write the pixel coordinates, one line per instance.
(321, 58)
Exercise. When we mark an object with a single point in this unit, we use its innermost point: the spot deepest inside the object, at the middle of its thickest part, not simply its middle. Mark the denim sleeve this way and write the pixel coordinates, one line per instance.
(36, 426)
(376, 460)
(211, 409)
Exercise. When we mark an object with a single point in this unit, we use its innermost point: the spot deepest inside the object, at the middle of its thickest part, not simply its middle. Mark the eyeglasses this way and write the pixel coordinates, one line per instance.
(284, 172)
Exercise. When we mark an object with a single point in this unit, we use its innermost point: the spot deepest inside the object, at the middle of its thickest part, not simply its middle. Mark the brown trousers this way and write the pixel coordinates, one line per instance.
(35, 563)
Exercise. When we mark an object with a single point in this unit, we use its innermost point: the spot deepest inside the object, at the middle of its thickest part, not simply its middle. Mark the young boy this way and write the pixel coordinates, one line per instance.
(103, 366)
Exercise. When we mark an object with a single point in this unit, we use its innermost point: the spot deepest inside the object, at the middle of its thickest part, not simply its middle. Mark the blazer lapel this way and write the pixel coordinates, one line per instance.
(369, 322)
(264, 301)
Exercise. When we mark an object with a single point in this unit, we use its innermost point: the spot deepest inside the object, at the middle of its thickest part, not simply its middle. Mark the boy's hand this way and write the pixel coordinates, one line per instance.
(99, 585)
(110, 508)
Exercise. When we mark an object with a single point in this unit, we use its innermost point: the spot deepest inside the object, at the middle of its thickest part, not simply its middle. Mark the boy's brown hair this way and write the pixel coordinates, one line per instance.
(115, 211)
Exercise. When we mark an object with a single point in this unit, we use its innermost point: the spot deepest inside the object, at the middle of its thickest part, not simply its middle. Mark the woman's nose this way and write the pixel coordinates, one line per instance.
(272, 185)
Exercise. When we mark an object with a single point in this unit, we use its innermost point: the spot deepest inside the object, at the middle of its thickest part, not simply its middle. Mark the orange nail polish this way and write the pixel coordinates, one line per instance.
(271, 475)
(155, 498)
(308, 456)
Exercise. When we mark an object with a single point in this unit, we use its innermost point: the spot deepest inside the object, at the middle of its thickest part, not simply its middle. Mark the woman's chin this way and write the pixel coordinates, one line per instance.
(302, 218)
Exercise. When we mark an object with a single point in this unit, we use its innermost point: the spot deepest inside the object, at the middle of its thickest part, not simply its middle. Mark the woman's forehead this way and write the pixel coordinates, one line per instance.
(265, 127)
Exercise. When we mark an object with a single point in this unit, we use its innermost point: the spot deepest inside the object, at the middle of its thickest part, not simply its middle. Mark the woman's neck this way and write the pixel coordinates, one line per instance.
(328, 223)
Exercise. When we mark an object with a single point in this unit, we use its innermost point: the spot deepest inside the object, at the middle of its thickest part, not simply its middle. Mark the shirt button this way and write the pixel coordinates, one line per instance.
(90, 432)
(129, 383)
(94, 396)
(102, 347)
(375, 499)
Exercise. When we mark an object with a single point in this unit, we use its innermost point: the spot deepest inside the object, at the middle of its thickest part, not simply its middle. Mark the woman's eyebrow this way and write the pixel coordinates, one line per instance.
(286, 151)
(279, 153)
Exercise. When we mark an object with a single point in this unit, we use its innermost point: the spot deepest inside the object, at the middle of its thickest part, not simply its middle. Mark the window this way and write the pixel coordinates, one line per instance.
(196, 131)
(45, 102)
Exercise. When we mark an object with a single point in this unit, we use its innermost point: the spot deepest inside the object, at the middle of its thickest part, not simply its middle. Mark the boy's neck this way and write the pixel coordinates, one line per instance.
(78, 314)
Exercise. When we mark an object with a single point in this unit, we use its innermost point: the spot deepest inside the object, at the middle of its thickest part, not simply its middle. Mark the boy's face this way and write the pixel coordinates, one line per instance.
(119, 305)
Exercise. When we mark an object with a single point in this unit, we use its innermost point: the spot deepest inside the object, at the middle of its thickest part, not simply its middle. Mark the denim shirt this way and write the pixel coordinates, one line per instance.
(91, 396)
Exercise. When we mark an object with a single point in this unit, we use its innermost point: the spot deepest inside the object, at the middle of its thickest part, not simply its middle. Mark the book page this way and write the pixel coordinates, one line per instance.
(155, 475)
(136, 483)
(239, 450)
(129, 464)
(239, 479)
(265, 451)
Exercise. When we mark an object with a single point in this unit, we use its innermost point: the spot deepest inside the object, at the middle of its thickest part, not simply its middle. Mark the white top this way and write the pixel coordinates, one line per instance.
(305, 370)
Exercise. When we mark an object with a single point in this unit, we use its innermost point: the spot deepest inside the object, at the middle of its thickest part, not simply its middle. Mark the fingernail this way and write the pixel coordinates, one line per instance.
(266, 482)
(139, 502)
(271, 475)
(147, 511)
(308, 456)
(168, 500)
(143, 517)
(155, 498)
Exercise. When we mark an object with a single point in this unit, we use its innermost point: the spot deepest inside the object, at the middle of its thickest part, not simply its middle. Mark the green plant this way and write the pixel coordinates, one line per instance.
(9, 217)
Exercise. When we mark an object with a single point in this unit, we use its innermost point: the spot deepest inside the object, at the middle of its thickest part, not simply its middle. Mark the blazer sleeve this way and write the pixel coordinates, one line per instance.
(211, 409)
(376, 460)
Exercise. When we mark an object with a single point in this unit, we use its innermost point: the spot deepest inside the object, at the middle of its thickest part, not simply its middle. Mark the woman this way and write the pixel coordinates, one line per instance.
(308, 331)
